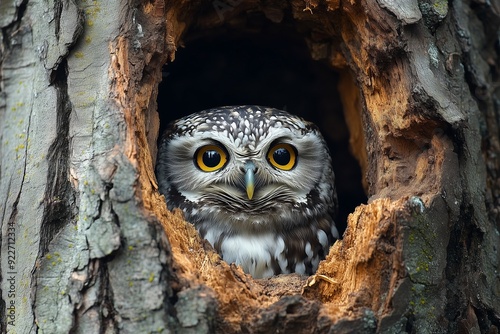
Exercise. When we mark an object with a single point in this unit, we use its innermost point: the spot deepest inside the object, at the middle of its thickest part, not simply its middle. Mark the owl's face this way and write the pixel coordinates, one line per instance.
(246, 168)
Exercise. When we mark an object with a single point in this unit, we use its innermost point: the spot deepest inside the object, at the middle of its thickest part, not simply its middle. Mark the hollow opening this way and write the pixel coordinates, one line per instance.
(269, 64)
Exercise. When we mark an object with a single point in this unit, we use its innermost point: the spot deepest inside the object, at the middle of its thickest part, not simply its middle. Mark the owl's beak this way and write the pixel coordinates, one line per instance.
(249, 178)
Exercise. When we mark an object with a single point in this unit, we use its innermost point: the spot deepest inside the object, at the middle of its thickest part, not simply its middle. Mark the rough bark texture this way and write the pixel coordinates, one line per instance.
(87, 244)
(89, 256)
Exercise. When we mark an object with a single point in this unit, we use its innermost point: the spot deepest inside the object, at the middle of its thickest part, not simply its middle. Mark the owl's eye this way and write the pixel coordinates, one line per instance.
(282, 156)
(210, 158)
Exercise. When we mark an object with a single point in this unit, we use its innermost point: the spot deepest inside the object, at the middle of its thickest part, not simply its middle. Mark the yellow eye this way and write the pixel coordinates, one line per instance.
(282, 156)
(210, 158)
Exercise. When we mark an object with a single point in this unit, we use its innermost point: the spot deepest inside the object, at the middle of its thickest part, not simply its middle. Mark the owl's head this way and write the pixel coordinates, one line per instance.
(246, 167)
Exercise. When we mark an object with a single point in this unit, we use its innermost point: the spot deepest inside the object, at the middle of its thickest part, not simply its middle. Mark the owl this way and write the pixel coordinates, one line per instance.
(256, 182)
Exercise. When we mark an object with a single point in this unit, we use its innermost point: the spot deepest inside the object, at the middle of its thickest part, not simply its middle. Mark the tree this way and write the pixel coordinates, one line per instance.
(88, 244)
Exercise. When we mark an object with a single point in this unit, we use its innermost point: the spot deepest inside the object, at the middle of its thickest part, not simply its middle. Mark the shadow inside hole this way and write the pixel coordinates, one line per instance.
(270, 69)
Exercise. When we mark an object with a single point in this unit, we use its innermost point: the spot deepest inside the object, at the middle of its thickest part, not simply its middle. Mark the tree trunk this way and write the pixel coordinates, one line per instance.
(88, 245)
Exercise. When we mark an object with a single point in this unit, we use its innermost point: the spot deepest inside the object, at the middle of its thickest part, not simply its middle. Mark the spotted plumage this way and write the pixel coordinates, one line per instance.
(256, 182)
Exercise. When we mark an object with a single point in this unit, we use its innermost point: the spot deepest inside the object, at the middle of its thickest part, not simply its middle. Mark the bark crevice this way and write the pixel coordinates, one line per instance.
(59, 194)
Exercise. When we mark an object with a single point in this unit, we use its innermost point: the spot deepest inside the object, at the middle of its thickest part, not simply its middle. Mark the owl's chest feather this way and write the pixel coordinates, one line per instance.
(269, 253)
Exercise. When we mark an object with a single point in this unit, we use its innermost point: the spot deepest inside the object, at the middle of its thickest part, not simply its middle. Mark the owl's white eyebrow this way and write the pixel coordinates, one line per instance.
(284, 139)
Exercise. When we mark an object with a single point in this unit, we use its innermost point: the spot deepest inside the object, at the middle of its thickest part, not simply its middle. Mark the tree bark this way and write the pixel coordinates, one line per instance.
(88, 245)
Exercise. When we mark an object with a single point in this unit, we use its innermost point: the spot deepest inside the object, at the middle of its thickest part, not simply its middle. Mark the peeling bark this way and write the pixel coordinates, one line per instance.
(87, 244)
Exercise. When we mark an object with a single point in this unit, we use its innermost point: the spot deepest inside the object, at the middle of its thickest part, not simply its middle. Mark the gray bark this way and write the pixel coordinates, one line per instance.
(67, 188)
